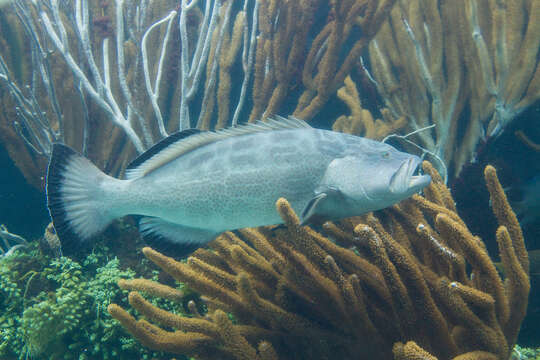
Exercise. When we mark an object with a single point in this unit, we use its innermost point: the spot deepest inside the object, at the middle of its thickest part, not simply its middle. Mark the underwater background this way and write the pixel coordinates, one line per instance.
(364, 67)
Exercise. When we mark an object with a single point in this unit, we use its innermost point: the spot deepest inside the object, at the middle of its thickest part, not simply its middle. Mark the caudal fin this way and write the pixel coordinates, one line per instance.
(76, 199)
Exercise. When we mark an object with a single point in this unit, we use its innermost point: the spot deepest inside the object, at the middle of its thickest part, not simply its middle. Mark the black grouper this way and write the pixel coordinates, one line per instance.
(193, 185)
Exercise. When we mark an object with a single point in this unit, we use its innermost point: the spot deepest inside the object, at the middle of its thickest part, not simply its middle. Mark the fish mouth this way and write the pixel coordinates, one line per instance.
(407, 179)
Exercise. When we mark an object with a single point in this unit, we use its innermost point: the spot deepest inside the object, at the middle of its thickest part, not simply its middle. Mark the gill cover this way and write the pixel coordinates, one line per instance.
(321, 206)
(337, 186)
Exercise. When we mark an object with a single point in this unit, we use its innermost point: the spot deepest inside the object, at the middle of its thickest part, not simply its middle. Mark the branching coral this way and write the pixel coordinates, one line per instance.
(468, 66)
(360, 121)
(416, 284)
(10, 242)
(284, 42)
(124, 75)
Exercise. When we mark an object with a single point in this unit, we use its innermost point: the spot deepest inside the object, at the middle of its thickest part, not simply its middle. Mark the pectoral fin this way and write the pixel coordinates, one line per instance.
(173, 239)
(310, 211)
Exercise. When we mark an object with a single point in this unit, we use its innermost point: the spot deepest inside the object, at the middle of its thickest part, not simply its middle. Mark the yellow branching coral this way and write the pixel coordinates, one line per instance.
(436, 61)
(282, 46)
(361, 121)
(127, 78)
(410, 282)
(415, 60)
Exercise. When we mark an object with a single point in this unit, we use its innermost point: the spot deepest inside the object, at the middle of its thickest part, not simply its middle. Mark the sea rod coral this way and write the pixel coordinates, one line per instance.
(470, 67)
(414, 283)
(115, 77)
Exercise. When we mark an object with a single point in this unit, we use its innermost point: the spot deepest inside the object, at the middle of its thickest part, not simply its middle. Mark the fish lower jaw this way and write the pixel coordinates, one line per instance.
(419, 181)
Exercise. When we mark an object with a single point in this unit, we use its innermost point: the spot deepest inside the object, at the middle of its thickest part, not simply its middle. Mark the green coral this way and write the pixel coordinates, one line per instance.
(17, 273)
(56, 308)
(11, 300)
(521, 353)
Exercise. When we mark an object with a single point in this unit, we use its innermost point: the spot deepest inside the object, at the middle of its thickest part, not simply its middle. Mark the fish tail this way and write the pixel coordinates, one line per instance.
(79, 203)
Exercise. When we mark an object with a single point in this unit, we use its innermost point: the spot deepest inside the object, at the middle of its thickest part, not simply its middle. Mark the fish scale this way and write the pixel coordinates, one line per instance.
(232, 193)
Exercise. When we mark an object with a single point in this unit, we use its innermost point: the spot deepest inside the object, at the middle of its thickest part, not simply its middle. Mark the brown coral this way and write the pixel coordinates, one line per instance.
(245, 62)
(438, 62)
(415, 285)
(360, 121)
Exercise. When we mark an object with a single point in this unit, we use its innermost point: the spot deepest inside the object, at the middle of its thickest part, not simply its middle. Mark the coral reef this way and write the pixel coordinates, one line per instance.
(468, 66)
(361, 121)
(114, 77)
(522, 353)
(55, 308)
(11, 40)
(409, 282)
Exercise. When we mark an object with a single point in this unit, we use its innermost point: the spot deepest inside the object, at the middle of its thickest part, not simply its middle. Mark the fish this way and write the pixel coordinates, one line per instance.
(193, 185)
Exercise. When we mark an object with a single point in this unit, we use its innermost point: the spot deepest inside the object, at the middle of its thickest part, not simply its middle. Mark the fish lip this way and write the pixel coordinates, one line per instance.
(417, 182)
(404, 180)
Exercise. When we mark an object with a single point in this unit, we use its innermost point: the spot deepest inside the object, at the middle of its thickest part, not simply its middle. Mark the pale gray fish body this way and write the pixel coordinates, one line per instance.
(232, 180)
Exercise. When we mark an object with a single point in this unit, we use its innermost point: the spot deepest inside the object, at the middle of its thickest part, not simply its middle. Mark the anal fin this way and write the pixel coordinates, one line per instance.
(173, 239)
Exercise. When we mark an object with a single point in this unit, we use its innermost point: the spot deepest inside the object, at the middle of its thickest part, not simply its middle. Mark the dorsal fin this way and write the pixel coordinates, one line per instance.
(170, 148)
(157, 147)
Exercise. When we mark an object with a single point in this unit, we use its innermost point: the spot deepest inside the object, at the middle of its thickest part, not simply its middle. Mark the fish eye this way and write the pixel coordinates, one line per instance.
(386, 155)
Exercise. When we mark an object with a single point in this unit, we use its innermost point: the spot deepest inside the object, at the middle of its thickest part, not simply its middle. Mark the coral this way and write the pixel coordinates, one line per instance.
(522, 353)
(410, 282)
(527, 141)
(10, 242)
(11, 301)
(360, 121)
(12, 41)
(198, 64)
(52, 308)
(57, 313)
(281, 61)
(470, 67)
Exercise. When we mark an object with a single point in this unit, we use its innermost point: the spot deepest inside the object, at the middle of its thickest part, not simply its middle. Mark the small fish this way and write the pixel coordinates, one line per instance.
(193, 185)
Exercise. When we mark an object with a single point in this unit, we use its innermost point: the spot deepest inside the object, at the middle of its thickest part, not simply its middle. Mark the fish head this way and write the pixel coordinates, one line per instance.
(373, 179)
